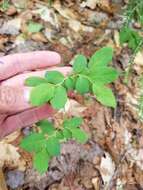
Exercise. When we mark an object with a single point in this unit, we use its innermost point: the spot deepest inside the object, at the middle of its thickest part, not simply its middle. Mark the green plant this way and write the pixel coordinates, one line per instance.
(50, 2)
(34, 27)
(46, 143)
(4, 5)
(131, 37)
(133, 13)
(91, 77)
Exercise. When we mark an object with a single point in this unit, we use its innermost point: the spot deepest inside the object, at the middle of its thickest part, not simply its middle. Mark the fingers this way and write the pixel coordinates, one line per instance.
(24, 119)
(13, 99)
(19, 80)
(18, 63)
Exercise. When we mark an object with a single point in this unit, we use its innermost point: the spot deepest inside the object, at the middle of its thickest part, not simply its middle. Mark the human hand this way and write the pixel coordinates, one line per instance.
(15, 109)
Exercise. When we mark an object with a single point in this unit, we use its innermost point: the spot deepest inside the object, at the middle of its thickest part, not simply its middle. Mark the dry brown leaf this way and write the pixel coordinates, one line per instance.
(107, 168)
(9, 154)
(74, 108)
(90, 3)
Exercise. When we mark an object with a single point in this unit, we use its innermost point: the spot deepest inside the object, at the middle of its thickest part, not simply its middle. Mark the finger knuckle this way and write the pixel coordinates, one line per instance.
(7, 96)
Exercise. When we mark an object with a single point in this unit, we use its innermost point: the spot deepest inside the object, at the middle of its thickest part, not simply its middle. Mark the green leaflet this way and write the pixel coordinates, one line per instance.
(60, 98)
(54, 77)
(46, 127)
(73, 122)
(53, 146)
(59, 135)
(82, 85)
(103, 75)
(67, 133)
(104, 95)
(41, 161)
(79, 135)
(101, 58)
(80, 64)
(34, 142)
(41, 94)
(35, 81)
(34, 27)
(45, 145)
(69, 83)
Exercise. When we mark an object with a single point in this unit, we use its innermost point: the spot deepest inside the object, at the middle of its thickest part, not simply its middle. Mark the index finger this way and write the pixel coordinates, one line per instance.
(11, 65)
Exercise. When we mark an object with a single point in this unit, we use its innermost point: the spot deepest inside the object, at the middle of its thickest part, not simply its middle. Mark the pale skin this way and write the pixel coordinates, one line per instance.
(15, 108)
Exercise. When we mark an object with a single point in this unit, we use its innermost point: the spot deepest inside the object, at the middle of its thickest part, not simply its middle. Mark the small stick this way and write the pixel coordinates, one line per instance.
(3, 185)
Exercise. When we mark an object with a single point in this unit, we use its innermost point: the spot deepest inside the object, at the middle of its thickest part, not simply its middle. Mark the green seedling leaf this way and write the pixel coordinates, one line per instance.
(5, 4)
(79, 135)
(41, 161)
(54, 77)
(46, 127)
(103, 75)
(125, 35)
(53, 88)
(53, 146)
(82, 85)
(34, 27)
(60, 98)
(104, 95)
(34, 142)
(73, 122)
(69, 83)
(101, 58)
(41, 94)
(130, 36)
(35, 81)
(80, 64)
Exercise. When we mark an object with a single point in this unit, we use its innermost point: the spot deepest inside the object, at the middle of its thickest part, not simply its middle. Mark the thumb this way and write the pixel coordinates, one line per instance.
(26, 118)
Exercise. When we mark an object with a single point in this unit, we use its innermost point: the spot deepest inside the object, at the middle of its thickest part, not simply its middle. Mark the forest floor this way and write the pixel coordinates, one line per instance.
(113, 157)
